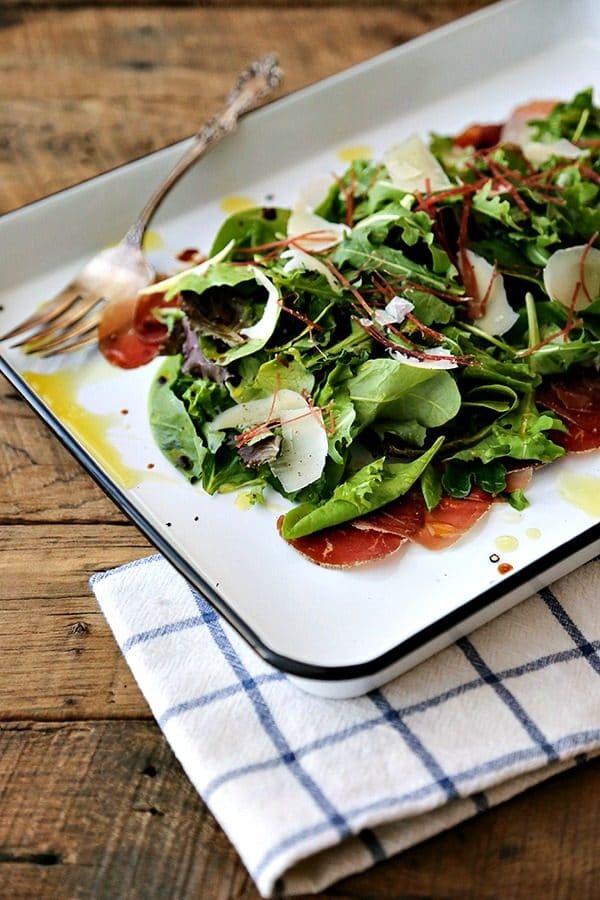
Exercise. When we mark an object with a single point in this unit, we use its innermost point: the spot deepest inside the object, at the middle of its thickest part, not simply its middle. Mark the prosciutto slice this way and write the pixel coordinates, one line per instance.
(576, 401)
(343, 546)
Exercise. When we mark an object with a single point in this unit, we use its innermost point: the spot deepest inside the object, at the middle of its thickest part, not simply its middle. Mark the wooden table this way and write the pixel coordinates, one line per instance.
(92, 801)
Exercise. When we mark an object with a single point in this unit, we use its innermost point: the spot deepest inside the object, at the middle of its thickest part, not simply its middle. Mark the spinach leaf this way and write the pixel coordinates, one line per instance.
(251, 228)
(171, 425)
(391, 390)
(431, 487)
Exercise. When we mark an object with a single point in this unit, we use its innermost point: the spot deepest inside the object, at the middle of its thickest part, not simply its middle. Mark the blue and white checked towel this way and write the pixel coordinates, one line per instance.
(311, 790)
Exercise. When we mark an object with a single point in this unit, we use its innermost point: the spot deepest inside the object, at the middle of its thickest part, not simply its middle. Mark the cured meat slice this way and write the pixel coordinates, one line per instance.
(129, 334)
(404, 517)
(519, 478)
(451, 519)
(580, 393)
(578, 440)
(479, 136)
(516, 129)
(343, 546)
(576, 401)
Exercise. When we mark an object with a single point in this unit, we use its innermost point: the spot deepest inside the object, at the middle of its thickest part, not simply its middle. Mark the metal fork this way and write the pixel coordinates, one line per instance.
(71, 319)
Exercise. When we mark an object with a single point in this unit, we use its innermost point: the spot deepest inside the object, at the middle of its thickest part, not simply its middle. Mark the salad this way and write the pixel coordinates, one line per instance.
(403, 346)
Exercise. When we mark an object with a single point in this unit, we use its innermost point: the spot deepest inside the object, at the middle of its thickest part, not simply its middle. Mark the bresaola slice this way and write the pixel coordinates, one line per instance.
(451, 519)
(518, 478)
(344, 545)
(404, 518)
(379, 534)
(576, 402)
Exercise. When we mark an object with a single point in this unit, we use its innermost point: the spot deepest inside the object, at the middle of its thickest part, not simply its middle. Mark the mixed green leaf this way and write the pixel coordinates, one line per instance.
(427, 395)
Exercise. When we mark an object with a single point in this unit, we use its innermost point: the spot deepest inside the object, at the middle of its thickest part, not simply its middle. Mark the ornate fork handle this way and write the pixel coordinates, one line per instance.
(256, 81)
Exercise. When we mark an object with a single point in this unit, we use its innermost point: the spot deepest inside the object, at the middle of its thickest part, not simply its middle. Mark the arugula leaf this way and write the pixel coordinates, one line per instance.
(494, 206)
(359, 177)
(520, 435)
(430, 309)
(554, 358)
(565, 120)
(458, 477)
(496, 397)
(358, 251)
(373, 486)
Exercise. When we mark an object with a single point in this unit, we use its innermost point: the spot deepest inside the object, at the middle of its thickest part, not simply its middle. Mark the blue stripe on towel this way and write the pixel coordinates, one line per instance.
(142, 637)
(378, 721)
(265, 717)
(506, 761)
(506, 696)
(588, 650)
(396, 721)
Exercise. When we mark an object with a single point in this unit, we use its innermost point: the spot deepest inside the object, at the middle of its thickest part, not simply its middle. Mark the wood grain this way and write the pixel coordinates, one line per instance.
(59, 659)
(92, 802)
(41, 482)
(102, 810)
(86, 89)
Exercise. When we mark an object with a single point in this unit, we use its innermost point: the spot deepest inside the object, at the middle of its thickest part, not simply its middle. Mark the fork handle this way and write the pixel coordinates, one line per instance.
(258, 80)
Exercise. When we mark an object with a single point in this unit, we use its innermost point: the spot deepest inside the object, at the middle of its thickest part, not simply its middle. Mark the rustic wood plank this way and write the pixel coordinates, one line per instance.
(85, 89)
(103, 810)
(450, 5)
(58, 659)
(41, 480)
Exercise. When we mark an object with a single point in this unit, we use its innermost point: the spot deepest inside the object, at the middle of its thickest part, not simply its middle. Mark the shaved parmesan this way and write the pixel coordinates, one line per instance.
(303, 448)
(563, 276)
(314, 192)
(442, 359)
(393, 314)
(413, 167)
(313, 232)
(264, 328)
(518, 131)
(397, 310)
(499, 316)
(538, 153)
(298, 259)
(244, 415)
(303, 438)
